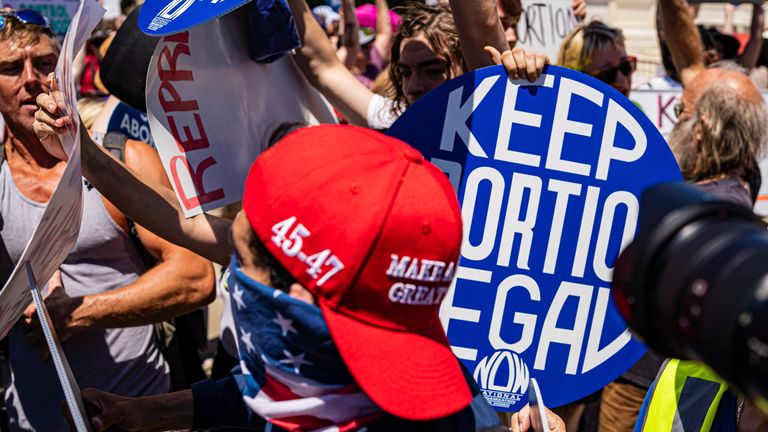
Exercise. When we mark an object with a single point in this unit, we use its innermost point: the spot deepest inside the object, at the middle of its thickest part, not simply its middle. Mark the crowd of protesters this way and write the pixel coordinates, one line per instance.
(141, 272)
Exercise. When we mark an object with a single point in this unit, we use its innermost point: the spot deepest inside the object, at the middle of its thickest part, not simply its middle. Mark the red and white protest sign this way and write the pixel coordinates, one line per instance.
(659, 106)
(212, 109)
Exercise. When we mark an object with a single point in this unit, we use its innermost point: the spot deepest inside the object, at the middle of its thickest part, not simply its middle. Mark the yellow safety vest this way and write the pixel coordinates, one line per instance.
(684, 398)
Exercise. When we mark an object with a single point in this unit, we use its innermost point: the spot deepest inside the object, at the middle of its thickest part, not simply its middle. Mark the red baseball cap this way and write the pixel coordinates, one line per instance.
(373, 231)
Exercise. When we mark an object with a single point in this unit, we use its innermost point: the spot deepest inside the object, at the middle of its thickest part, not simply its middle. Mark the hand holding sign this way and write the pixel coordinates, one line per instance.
(60, 306)
(523, 422)
(518, 63)
(49, 123)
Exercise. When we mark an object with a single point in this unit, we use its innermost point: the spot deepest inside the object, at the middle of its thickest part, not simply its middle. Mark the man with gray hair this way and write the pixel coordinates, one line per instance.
(717, 141)
(720, 134)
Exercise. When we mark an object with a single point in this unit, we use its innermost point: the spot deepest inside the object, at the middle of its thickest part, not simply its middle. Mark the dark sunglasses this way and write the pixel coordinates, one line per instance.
(26, 16)
(626, 66)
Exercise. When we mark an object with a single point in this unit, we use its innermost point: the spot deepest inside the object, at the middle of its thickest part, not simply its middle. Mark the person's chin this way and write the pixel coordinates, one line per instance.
(26, 118)
(412, 98)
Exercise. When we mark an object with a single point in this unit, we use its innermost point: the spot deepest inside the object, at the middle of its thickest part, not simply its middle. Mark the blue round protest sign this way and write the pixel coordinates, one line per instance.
(164, 17)
(549, 176)
(130, 122)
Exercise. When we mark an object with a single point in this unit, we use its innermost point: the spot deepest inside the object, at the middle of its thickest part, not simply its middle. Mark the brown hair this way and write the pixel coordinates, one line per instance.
(513, 8)
(436, 24)
(24, 33)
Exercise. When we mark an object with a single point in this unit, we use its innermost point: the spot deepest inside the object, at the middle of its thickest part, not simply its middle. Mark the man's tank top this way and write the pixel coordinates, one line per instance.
(124, 361)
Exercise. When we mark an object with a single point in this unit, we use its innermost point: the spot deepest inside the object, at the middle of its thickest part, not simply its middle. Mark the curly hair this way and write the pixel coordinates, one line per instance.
(583, 43)
(436, 25)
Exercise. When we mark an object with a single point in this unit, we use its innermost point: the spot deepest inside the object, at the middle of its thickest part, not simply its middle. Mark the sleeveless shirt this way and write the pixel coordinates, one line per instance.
(125, 361)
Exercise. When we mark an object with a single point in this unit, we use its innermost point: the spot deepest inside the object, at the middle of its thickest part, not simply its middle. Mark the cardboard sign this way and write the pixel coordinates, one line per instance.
(659, 106)
(130, 122)
(544, 24)
(164, 17)
(59, 12)
(549, 176)
(212, 110)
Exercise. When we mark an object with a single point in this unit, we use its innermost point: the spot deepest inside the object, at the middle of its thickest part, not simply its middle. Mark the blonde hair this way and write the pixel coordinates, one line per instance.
(23, 32)
(583, 43)
(89, 109)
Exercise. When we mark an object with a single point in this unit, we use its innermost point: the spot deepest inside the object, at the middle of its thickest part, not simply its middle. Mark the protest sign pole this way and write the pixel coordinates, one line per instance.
(68, 383)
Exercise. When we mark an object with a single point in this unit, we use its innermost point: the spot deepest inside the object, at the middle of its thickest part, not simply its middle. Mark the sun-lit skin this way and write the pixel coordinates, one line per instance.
(24, 68)
(421, 68)
(607, 58)
(693, 91)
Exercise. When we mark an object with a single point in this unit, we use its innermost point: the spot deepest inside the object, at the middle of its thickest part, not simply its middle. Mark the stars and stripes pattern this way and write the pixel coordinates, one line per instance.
(295, 377)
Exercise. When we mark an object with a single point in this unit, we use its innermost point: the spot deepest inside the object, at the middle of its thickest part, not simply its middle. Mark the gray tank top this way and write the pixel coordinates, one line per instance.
(125, 361)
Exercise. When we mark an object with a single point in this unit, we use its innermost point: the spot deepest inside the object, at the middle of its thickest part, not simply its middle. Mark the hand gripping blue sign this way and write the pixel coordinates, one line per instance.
(549, 175)
(165, 17)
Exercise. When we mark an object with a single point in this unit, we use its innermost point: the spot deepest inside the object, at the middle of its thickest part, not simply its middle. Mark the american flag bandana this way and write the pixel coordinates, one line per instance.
(294, 375)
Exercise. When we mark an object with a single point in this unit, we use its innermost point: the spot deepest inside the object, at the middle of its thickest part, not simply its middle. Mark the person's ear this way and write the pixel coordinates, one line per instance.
(697, 132)
(297, 291)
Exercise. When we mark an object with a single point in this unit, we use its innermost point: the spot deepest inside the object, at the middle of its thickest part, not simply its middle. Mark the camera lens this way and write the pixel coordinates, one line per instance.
(694, 283)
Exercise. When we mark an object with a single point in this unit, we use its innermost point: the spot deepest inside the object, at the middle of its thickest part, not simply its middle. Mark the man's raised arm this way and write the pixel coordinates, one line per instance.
(682, 38)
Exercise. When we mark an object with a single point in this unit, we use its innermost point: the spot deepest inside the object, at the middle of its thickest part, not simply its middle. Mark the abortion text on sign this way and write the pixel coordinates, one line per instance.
(544, 24)
(548, 179)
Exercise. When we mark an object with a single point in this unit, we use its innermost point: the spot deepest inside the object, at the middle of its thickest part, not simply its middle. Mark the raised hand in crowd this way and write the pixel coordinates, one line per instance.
(416, 65)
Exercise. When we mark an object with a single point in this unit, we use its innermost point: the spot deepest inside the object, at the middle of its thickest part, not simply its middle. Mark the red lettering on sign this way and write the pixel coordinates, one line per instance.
(187, 140)
(663, 111)
(202, 197)
(182, 37)
(190, 143)
(175, 103)
(172, 73)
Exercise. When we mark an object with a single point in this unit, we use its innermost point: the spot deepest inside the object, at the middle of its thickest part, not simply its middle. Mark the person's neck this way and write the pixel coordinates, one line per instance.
(23, 147)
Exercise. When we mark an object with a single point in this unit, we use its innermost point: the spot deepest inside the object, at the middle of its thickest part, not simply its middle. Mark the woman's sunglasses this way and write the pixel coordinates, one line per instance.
(627, 65)
(26, 16)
